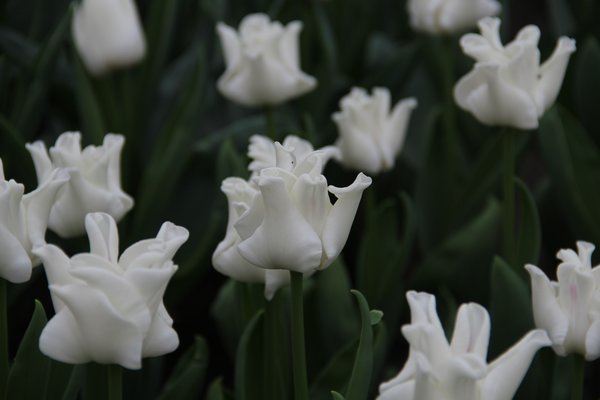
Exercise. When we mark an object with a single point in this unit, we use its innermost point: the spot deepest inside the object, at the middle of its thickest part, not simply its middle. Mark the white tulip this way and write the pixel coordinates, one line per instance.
(23, 221)
(109, 309)
(458, 370)
(263, 62)
(243, 195)
(108, 34)
(449, 16)
(569, 310)
(370, 135)
(226, 259)
(507, 85)
(295, 226)
(95, 183)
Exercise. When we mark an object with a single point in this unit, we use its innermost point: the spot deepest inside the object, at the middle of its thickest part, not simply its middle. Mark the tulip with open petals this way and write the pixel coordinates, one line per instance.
(23, 221)
(109, 309)
(458, 370)
(569, 310)
(263, 62)
(508, 86)
(95, 183)
(370, 135)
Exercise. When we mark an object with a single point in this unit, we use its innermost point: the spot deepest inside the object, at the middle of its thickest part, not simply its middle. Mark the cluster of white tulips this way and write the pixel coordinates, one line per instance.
(286, 222)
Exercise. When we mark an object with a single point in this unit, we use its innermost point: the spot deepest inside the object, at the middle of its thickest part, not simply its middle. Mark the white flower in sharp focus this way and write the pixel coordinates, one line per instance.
(449, 16)
(95, 183)
(508, 86)
(23, 221)
(226, 259)
(263, 62)
(438, 370)
(569, 310)
(109, 309)
(370, 135)
(295, 226)
(108, 34)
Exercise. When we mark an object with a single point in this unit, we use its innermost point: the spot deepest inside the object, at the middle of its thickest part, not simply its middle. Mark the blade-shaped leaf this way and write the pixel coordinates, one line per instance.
(187, 380)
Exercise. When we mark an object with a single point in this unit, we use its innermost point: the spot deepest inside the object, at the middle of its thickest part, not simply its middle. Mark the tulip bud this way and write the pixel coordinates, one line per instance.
(449, 16)
(108, 35)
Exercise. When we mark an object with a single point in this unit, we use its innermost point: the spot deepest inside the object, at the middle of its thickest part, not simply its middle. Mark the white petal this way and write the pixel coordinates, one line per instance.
(284, 240)
(38, 204)
(15, 264)
(507, 371)
(108, 336)
(340, 218)
(395, 130)
(230, 45)
(103, 236)
(41, 159)
(547, 312)
(61, 339)
(161, 338)
(274, 280)
(471, 330)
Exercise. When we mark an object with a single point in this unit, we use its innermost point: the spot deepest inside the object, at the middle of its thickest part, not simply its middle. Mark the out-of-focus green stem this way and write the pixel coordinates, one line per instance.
(577, 376)
(298, 348)
(3, 339)
(115, 382)
(509, 196)
(270, 123)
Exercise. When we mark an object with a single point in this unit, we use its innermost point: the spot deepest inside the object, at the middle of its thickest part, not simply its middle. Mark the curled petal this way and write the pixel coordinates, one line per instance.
(340, 218)
(103, 236)
(161, 337)
(506, 372)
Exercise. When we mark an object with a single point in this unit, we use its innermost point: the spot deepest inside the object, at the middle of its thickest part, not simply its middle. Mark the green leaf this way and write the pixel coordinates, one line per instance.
(587, 86)
(464, 257)
(216, 392)
(248, 382)
(230, 162)
(58, 380)
(30, 365)
(19, 49)
(276, 359)
(327, 37)
(510, 307)
(90, 114)
(336, 396)
(573, 161)
(360, 381)
(31, 111)
(333, 322)
(233, 308)
(561, 18)
(335, 374)
(187, 380)
(528, 236)
(375, 316)
(239, 131)
(383, 255)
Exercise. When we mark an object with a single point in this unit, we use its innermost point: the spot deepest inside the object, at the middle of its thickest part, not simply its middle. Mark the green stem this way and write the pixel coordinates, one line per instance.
(298, 350)
(270, 123)
(509, 196)
(3, 339)
(577, 377)
(115, 382)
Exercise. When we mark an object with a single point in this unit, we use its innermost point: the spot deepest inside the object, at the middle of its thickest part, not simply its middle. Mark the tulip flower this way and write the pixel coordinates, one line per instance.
(95, 183)
(295, 226)
(109, 309)
(263, 62)
(255, 216)
(371, 136)
(458, 370)
(449, 16)
(507, 85)
(23, 221)
(569, 310)
(108, 34)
